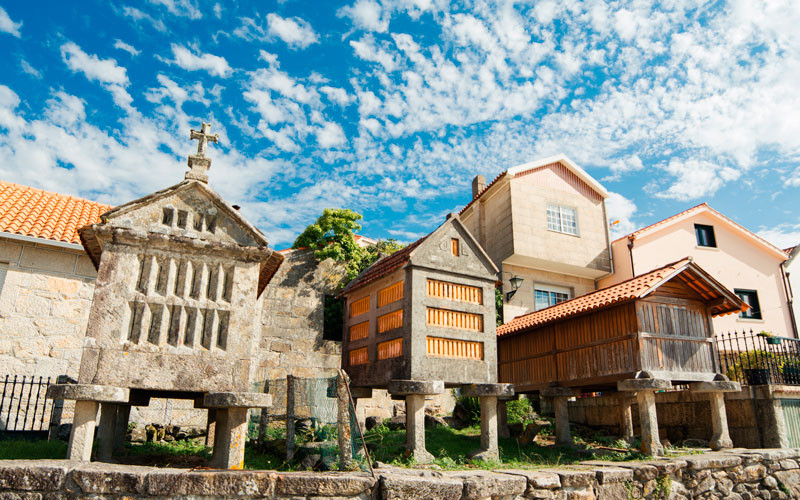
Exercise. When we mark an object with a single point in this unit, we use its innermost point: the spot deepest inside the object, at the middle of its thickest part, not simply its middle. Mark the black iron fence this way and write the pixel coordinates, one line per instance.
(759, 358)
(23, 405)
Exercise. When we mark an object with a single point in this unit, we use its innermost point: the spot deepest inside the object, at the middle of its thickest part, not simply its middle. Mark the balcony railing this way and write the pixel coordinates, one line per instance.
(759, 358)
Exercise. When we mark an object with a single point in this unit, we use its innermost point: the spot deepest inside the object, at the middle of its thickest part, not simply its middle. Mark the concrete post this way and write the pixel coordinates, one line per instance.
(563, 433)
(121, 431)
(106, 431)
(415, 428)
(229, 438)
(343, 422)
(502, 418)
(82, 436)
(648, 420)
(719, 422)
(626, 417)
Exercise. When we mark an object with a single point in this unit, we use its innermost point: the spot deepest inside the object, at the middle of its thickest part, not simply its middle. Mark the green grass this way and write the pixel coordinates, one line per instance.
(20, 449)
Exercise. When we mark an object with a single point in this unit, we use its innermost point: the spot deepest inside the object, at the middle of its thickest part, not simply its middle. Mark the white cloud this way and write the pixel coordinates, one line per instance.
(130, 49)
(188, 60)
(696, 179)
(295, 32)
(181, 8)
(620, 209)
(27, 68)
(138, 16)
(100, 70)
(330, 135)
(782, 236)
(9, 26)
(366, 15)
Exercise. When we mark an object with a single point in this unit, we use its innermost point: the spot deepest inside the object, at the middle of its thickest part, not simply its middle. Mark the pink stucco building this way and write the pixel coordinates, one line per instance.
(736, 257)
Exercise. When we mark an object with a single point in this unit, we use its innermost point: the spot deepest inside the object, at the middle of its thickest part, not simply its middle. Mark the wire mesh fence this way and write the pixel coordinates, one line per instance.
(759, 358)
(316, 421)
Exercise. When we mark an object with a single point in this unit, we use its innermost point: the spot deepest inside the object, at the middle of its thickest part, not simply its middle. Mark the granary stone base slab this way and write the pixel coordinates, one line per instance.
(480, 390)
(736, 474)
(644, 384)
(715, 386)
(422, 387)
(237, 400)
(89, 392)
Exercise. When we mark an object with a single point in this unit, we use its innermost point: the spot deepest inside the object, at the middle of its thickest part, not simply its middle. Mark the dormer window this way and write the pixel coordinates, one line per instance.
(705, 235)
(562, 219)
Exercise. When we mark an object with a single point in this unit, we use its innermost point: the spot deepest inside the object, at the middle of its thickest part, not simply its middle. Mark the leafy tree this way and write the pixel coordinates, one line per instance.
(333, 236)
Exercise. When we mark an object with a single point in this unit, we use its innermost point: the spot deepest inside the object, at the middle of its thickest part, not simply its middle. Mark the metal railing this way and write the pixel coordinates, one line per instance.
(23, 405)
(759, 358)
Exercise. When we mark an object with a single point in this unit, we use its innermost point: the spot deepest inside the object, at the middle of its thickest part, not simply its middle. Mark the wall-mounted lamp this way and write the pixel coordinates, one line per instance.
(516, 282)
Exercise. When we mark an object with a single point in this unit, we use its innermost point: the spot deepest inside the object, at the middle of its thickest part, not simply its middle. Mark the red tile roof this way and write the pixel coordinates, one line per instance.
(42, 214)
(382, 267)
(621, 292)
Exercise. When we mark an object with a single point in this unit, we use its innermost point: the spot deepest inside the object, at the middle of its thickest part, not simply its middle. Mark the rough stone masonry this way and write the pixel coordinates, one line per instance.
(179, 275)
(737, 475)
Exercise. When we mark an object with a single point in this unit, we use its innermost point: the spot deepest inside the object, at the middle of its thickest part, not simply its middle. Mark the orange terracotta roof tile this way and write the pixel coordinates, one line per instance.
(382, 267)
(42, 214)
(621, 292)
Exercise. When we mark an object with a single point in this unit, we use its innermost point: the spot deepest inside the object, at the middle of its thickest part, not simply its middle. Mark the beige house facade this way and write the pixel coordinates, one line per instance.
(739, 259)
(546, 223)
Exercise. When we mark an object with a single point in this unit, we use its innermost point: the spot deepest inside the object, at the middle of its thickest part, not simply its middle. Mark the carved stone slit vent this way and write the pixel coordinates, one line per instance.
(156, 317)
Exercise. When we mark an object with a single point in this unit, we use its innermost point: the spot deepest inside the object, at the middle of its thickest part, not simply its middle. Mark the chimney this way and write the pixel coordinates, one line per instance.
(478, 185)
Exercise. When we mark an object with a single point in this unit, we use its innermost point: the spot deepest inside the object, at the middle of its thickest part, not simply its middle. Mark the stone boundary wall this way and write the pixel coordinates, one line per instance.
(737, 474)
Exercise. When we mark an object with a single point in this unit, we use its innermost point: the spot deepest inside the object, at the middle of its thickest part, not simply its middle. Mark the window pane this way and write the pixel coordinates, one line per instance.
(705, 235)
(556, 297)
(553, 218)
(542, 299)
(750, 297)
(569, 223)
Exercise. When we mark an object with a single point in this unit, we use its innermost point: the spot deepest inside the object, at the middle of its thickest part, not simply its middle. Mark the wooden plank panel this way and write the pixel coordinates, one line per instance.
(452, 348)
(359, 357)
(359, 331)
(359, 307)
(455, 291)
(390, 321)
(455, 319)
(391, 293)
(390, 349)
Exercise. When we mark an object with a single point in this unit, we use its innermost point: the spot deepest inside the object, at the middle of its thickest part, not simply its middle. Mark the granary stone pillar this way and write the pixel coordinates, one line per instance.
(87, 400)
(645, 389)
(624, 403)
(415, 391)
(561, 397)
(488, 395)
(123, 417)
(502, 416)
(719, 419)
(106, 431)
(231, 425)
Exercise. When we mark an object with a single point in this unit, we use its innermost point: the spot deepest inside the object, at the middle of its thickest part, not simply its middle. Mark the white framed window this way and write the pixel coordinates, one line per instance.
(549, 295)
(562, 219)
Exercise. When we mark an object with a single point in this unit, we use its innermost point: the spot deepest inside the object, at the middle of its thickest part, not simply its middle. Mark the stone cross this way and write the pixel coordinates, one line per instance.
(203, 137)
(199, 163)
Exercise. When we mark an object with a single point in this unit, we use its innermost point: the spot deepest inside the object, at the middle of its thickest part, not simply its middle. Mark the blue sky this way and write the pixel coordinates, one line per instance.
(390, 107)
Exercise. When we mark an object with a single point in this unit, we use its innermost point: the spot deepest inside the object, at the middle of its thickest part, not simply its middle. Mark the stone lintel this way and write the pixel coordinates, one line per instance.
(237, 400)
(559, 392)
(718, 386)
(479, 390)
(410, 387)
(89, 392)
(643, 384)
(361, 392)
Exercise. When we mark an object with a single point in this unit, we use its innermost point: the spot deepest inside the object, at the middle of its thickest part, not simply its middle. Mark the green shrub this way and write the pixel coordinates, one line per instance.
(519, 411)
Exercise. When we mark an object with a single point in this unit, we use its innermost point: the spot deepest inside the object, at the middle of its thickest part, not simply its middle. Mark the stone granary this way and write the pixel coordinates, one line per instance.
(636, 337)
(423, 319)
(174, 313)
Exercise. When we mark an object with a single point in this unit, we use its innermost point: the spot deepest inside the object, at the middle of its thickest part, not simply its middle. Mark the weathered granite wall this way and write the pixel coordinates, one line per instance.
(44, 307)
(737, 475)
(754, 420)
